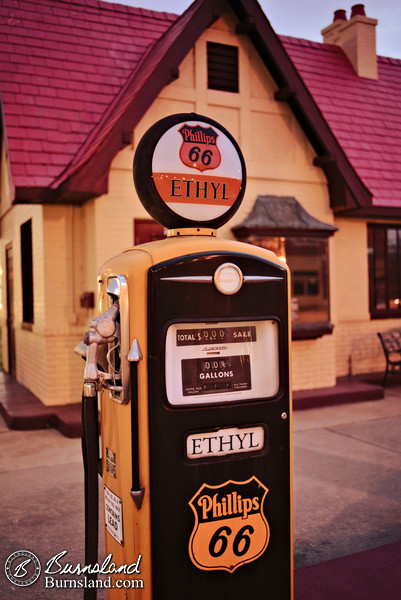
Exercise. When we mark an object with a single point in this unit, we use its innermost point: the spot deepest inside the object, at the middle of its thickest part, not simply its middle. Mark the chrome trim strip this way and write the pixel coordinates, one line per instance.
(190, 279)
(260, 278)
(117, 286)
(209, 279)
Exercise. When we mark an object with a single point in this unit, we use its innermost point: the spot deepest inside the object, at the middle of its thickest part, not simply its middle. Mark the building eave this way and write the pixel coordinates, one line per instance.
(370, 212)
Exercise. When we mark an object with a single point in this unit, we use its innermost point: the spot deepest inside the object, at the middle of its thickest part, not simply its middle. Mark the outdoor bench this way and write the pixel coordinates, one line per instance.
(391, 343)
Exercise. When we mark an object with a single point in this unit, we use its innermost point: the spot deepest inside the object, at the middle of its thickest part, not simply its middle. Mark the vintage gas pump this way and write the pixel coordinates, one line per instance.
(191, 357)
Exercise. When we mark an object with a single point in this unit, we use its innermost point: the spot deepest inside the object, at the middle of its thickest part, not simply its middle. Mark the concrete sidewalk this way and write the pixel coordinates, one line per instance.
(347, 502)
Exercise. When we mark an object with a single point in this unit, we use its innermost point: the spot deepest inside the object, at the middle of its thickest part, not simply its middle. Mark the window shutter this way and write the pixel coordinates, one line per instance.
(222, 67)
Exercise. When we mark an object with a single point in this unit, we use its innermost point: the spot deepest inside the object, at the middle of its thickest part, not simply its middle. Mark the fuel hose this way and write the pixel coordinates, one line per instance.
(90, 455)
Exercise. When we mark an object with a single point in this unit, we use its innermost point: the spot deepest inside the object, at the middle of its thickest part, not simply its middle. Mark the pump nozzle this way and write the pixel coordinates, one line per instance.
(101, 331)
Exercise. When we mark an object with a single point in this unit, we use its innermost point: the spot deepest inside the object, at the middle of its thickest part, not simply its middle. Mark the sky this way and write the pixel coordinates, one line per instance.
(306, 18)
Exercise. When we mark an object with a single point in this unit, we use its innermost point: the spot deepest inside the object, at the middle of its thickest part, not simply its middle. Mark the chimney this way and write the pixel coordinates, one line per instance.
(357, 38)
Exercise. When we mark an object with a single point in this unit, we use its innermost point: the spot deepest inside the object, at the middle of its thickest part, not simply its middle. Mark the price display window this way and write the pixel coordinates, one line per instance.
(221, 362)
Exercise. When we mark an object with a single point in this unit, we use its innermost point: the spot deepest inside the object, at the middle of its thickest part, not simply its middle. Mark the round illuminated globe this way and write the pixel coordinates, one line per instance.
(189, 172)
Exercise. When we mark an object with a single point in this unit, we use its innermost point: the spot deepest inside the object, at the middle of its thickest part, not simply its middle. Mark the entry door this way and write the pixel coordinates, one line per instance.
(10, 310)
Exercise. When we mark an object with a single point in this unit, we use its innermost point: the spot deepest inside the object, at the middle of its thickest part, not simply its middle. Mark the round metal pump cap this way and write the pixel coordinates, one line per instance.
(228, 278)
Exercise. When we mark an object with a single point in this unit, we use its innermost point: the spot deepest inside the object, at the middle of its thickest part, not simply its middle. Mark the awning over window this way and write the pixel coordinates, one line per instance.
(281, 215)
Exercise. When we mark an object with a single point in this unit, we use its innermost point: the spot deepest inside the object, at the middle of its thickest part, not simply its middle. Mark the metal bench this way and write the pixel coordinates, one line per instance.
(391, 342)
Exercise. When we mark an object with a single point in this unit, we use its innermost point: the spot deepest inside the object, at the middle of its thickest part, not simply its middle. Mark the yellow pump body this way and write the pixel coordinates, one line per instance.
(195, 437)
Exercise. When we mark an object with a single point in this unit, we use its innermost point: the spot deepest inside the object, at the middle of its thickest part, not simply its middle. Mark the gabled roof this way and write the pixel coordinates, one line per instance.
(77, 76)
(364, 114)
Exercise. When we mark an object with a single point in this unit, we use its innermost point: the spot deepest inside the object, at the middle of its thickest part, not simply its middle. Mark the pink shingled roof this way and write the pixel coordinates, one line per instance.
(72, 72)
(364, 114)
(61, 65)
(137, 80)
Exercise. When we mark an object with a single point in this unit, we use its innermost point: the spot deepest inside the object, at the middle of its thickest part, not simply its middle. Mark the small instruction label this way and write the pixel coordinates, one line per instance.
(113, 513)
(111, 462)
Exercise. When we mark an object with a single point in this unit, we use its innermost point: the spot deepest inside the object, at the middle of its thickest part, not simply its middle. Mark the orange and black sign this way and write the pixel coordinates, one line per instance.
(230, 526)
(199, 147)
(169, 172)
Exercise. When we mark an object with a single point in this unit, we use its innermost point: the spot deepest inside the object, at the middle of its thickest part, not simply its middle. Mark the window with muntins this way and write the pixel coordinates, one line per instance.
(307, 258)
(280, 224)
(384, 259)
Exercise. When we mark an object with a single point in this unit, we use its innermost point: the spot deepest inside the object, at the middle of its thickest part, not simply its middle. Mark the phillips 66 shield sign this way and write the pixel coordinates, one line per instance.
(199, 147)
(230, 527)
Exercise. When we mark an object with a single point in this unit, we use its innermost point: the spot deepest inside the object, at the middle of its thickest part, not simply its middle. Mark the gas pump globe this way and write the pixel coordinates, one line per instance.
(193, 376)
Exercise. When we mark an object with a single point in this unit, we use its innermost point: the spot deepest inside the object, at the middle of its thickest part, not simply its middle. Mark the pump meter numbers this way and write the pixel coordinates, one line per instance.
(215, 375)
(216, 335)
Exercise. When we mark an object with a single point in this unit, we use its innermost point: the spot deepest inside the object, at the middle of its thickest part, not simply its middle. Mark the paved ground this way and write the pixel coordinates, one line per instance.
(347, 479)
(347, 500)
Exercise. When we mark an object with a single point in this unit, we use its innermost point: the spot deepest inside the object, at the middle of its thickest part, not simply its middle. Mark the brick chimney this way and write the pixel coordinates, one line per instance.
(357, 38)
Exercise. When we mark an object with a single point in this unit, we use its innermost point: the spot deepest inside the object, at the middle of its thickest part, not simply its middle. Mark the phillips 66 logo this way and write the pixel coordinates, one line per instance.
(230, 526)
(199, 147)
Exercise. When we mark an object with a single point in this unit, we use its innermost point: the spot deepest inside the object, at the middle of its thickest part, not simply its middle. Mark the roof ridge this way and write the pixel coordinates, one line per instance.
(314, 44)
(289, 38)
(389, 60)
(307, 43)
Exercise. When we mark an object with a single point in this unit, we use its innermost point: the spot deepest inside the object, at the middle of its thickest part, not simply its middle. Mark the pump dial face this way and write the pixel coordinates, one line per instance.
(189, 172)
(215, 363)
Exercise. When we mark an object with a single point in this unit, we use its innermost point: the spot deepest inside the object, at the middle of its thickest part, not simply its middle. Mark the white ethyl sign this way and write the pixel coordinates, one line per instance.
(225, 441)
